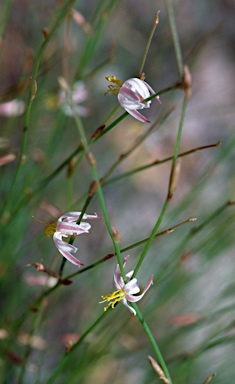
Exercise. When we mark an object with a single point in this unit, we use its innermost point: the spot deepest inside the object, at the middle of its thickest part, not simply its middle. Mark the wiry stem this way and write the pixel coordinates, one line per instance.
(153, 342)
(155, 23)
(175, 37)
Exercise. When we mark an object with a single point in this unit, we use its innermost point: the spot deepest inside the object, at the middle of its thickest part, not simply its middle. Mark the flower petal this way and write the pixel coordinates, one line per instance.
(74, 216)
(117, 278)
(132, 287)
(137, 115)
(65, 249)
(133, 298)
(138, 86)
(71, 258)
(71, 228)
(124, 302)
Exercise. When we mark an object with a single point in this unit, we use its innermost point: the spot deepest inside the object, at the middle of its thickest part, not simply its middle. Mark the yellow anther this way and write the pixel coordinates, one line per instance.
(113, 88)
(50, 229)
(114, 80)
(114, 298)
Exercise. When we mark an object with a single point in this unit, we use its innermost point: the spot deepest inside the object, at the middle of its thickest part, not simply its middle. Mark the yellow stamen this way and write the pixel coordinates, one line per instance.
(116, 296)
(113, 88)
(50, 229)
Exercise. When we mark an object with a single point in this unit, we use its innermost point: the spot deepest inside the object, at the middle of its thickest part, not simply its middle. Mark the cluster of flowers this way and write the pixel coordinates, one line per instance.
(126, 291)
(133, 95)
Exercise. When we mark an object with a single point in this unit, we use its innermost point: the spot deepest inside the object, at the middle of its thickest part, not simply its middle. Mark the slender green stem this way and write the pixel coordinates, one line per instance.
(175, 37)
(153, 342)
(4, 18)
(75, 346)
(111, 114)
(95, 176)
(155, 23)
(151, 237)
(32, 92)
(177, 144)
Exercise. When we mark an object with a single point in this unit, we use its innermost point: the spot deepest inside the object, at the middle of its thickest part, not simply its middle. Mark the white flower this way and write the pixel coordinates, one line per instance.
(125, 291)
(67, 226)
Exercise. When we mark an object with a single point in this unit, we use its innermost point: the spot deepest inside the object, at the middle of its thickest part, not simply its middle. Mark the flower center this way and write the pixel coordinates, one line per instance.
(114, 89)
(114, 298)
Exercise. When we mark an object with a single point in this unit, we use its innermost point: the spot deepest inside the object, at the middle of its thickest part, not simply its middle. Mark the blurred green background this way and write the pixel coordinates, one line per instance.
(191, 307)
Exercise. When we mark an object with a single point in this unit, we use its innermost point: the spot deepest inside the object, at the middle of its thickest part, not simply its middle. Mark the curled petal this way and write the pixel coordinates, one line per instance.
(71, 258)
(74, 216)
(124, 302)
(67, 226)
(132, 298)
(118, 280)
(137, 115)
(73, 228)
(66, 249)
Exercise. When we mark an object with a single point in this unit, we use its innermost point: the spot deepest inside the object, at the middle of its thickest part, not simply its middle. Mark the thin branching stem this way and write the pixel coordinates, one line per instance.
(157, 162)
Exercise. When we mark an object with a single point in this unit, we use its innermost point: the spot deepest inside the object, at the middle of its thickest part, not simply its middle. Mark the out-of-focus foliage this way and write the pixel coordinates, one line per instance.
(190, 309)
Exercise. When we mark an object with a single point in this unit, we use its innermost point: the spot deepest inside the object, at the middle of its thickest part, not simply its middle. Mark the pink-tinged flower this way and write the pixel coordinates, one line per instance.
(67, 226)
(12, 108)
(131, 95)
(79, 94)
(125, 291)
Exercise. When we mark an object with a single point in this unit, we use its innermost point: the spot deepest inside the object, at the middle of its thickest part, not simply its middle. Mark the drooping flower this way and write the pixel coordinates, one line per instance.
(131, 95)
(125, 291)
(79, 94)
(67, 226)
(12, 108)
